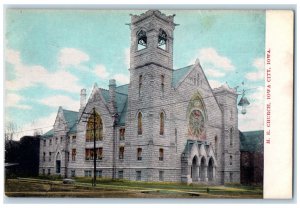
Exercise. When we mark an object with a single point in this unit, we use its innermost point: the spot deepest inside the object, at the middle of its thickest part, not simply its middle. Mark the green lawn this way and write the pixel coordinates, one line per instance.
(122, 188)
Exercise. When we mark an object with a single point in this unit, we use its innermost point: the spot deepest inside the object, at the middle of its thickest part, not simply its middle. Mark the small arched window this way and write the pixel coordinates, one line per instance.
(142, 40)
(162, 123)
(230, 161)
(140, 125)
(162, 39)
(231, 136)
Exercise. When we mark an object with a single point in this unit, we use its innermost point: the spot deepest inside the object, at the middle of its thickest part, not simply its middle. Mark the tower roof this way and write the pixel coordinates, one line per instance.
(149, 13)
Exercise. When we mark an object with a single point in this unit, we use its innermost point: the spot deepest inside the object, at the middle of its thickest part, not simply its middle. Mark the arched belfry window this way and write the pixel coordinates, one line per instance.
(142, 40)
(140, 124)
(162, 39)
(162, 123)
(98, 128)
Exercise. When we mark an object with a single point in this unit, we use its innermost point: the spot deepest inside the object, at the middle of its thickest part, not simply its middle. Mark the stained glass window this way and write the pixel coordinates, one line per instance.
(73, 154)
(89, 154)
(90, 128)
(196, 115)
(122, 134)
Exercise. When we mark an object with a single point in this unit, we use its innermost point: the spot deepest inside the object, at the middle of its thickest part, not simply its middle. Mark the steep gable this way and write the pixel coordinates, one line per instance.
(121, 101)
(70, 118)
(180, 74)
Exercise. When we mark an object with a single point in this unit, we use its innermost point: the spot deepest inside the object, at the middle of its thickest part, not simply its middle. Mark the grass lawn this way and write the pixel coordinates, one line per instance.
(106, 188)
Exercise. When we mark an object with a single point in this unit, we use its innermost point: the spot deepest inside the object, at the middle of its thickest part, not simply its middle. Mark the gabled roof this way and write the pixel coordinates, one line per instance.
(70, 117)
(122, 89)
(179, 74)
(252, 141)
(121, 101)
(71, 121)
(48, 133)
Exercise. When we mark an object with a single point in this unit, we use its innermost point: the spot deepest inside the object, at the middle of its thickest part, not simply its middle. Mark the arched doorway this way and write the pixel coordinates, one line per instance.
(202, 171)
(58, 163)
(195, 169)
(210, 170)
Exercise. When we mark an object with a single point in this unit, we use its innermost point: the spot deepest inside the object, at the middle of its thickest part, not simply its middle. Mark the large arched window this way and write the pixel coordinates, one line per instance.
(140, 124)
(142, 40)
(162, 123)
(98, 128)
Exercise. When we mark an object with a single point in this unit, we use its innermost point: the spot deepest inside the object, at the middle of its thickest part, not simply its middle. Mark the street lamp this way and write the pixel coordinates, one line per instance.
(244, 103)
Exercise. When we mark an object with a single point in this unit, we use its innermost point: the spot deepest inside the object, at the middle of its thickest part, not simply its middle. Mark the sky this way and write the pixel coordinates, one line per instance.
(51, 54)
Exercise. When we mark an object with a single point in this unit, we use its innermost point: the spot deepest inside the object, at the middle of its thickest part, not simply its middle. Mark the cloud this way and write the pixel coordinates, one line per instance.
(28, 76)
(13, 100)
(65, 101)
(127, 57)
(12, 57)
(71, 57)
(214, 73)
(210, 57)
(121, 78)
(259, 74)
(214, 83)
(41, 125)
(101, 71)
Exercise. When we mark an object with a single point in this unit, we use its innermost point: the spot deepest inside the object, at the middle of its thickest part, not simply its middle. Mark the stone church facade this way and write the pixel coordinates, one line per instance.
(165, 125)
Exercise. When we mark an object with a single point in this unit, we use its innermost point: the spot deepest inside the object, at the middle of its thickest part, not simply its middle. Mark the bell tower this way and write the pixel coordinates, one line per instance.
(152, 40)
(151, 68)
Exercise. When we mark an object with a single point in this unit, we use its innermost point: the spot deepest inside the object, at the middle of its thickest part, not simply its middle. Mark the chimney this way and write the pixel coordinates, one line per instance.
(112, 94)
(82, 98)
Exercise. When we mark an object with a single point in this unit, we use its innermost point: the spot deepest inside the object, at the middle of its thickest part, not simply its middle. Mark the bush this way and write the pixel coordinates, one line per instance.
(50, 177)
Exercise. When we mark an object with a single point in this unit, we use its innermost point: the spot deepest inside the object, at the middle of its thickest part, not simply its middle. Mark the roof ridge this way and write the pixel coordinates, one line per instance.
(184, 67)
(251, 131)
(122, 85)
(122, 93)
(70, 111)
(103, 89)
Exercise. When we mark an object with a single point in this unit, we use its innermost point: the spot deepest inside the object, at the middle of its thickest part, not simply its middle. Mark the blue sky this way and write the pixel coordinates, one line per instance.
(51, 54)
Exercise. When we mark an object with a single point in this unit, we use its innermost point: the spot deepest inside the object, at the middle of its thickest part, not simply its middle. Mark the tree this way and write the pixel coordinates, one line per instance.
(11, 131)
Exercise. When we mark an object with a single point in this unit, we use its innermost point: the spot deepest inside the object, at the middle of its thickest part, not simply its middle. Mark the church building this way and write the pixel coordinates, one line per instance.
(166, 124)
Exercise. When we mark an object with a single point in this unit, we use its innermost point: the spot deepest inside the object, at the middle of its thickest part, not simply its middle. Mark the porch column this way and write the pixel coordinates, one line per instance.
(205, 173)
(197, 176)
(214, 173)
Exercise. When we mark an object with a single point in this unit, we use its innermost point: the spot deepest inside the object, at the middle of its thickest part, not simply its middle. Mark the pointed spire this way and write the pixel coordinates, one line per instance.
(197, 62)
(95, 85)
(94, 90)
